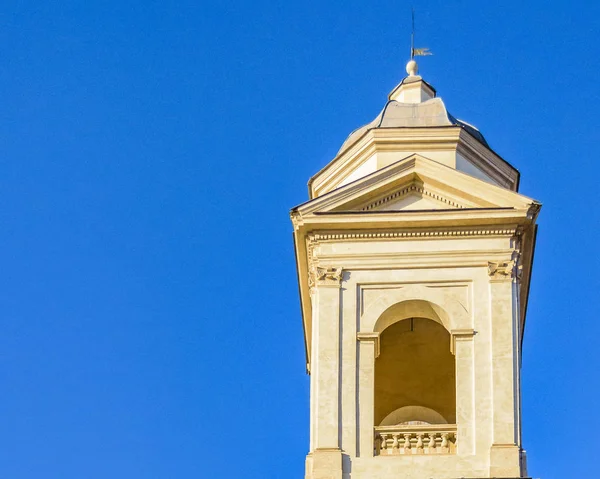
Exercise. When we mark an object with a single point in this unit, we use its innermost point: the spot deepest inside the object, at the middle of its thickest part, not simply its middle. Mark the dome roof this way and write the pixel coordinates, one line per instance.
(397, 114)
(413, 121)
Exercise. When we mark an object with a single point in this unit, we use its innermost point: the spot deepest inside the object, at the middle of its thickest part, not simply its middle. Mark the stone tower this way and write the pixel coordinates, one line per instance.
(414, 256)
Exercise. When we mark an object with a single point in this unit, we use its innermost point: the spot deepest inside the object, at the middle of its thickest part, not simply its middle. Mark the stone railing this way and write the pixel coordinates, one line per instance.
(415, 439)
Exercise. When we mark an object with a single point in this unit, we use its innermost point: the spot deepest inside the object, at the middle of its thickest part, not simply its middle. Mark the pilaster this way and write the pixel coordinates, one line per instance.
(325, 457)
(368, 351)
(505, 450)
(462, 348)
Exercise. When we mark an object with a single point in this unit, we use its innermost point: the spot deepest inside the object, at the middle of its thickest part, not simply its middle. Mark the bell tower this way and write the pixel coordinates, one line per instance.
(414, 257)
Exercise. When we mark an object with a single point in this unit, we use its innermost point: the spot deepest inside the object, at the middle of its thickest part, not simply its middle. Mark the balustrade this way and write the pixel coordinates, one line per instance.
(415, 439)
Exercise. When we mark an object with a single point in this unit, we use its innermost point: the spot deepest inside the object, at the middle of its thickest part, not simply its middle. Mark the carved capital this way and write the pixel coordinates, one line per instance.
(504, 270)
(312, 264)
(297, 219)
(322, 276)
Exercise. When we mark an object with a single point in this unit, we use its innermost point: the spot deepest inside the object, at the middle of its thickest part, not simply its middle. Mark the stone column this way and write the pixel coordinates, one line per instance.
(368, 351)
(505, 451)
(462, 348)
(326, 456)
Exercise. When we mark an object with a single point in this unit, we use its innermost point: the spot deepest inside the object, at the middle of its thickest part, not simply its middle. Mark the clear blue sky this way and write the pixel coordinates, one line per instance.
(150, 152)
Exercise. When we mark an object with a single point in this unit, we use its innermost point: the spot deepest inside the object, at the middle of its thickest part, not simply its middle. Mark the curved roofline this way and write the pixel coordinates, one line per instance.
(413, 79)
(473, 130)
(483, 143)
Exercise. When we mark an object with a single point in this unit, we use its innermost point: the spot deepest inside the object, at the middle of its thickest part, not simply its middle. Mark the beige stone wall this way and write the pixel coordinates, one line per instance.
(446, 281)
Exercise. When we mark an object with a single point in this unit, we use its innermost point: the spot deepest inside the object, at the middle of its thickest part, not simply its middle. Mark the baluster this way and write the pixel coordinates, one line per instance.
(419, 443)
(414, 442)
(444, 442)
(383, 441)
(407, 441)
(430, 443)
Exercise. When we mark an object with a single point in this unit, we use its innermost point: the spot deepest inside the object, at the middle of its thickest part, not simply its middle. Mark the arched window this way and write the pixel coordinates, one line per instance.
(415, 371)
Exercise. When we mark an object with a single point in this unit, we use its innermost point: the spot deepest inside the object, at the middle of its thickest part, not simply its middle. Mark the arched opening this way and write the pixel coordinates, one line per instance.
(415, 371)
(413, 415)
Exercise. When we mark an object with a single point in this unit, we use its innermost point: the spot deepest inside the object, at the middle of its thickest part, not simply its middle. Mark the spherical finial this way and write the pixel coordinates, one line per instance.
(412, 68)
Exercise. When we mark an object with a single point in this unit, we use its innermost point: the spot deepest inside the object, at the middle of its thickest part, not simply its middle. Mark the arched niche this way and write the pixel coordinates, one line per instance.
(415, 368)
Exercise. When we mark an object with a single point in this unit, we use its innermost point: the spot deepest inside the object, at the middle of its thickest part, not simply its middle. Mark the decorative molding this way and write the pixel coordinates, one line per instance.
(409, 189)
(328, 276)
(413, 234)
(373, 337)
(500, 269)
(297, 220)
(460, 335)
(505, 270)
(322, 276)
(407, 439)
(310, 258)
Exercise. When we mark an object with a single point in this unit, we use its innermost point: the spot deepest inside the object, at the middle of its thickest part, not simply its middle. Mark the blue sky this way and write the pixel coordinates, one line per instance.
(149, 155)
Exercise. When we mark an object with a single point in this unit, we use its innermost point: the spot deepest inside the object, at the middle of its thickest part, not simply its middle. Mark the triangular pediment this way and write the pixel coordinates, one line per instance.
(412, 197)
(415, 183)
(413, 201)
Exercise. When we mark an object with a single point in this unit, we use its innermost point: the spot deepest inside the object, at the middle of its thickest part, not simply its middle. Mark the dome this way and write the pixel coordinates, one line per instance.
(413, 112)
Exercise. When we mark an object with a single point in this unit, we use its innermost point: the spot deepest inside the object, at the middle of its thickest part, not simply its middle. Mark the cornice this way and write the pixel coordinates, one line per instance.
(412, 233)
(451, 186)
(476, 218)
(469, 257)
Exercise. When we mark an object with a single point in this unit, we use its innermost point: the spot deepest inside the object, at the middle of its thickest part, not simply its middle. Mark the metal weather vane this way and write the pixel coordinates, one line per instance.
(416, 52)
